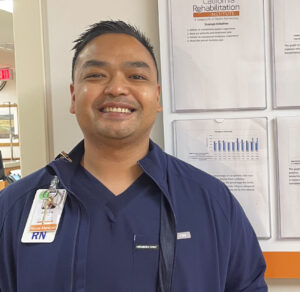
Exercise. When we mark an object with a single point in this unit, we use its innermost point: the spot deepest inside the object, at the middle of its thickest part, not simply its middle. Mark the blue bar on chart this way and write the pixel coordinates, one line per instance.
(236, 145)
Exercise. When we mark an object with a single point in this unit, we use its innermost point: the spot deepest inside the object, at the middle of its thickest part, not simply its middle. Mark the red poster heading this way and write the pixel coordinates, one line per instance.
(5, 74)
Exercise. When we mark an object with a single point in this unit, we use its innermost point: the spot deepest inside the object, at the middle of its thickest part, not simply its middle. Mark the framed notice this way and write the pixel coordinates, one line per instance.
(217, 54)
(286, 32)
(235, 151)
(288, 129)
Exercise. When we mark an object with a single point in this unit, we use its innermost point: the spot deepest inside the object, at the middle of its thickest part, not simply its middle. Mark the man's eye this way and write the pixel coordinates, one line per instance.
(137, 77)
(94, 75)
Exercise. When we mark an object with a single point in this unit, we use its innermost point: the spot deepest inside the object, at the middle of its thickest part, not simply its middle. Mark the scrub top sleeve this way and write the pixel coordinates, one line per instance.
(246, 265)
(1, 241)
(7, 265)
(2, 256)
(1, 265)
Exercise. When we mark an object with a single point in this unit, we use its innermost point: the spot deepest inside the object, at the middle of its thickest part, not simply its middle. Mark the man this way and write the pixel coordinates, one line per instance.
(132, 217)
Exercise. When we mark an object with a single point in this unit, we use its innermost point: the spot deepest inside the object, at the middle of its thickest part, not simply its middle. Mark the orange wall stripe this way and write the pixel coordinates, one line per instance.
(285, 265)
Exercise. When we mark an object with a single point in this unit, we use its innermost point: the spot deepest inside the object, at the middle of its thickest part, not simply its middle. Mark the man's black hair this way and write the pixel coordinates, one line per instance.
(105, 27)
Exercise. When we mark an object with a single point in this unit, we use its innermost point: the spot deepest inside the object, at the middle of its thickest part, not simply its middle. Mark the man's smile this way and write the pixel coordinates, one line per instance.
(113, 107)
(116, 110)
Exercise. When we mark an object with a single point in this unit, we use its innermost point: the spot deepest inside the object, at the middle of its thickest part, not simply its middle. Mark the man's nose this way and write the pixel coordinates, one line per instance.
(116, 86)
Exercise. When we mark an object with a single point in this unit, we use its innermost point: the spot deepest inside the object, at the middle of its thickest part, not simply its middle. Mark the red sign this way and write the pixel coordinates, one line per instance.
(5, 74)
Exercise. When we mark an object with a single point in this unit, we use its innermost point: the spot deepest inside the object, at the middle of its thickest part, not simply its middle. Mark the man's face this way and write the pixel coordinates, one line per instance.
(115, 94)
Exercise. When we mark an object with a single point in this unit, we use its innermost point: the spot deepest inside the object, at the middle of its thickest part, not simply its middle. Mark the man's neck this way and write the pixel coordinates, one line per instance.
(114, 164)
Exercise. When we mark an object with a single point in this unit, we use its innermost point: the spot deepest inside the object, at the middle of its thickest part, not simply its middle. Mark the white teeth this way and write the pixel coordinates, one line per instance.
(116, 110)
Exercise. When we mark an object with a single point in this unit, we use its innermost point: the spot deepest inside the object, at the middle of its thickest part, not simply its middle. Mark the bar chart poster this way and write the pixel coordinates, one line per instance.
(286, 31)
(235, 151)
(217, 54)
(288, 129)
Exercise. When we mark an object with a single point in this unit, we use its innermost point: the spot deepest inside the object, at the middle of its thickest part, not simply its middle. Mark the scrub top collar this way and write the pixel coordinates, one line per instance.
(154, 164)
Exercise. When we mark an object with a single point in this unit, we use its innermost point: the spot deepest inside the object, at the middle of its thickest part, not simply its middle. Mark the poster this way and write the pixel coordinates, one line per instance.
(235, 151)
(217, 54)
(288, 130)
(286, 32)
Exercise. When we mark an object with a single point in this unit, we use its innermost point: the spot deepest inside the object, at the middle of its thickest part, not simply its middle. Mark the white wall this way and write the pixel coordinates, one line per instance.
(29, 53)
(6, 22)
(275, 243)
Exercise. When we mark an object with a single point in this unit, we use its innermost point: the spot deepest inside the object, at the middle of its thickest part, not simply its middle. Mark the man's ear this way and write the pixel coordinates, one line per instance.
(72, 107)
(159, 107)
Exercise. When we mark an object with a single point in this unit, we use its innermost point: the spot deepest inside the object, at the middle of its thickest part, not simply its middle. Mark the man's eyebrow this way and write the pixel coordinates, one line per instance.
(94, 63)
(137, 64)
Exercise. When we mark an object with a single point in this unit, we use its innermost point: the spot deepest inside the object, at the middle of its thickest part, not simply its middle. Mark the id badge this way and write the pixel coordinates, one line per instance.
(44, 216)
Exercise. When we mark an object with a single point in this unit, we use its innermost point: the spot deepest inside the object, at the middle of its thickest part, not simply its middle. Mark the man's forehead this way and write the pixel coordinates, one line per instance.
(113, 42)
(111, 48)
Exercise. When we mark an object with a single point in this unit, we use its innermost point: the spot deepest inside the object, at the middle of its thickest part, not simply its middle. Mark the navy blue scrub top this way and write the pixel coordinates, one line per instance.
(117, 225)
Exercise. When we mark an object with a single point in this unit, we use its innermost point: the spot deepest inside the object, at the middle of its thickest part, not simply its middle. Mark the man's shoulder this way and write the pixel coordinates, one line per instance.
(192, 174)
(186, 172)
(196, 183)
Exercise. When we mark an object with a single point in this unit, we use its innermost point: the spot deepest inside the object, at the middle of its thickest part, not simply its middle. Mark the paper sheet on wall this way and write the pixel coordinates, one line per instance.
(288, 140)
(235, 151)
(286, 33)
(217, 54)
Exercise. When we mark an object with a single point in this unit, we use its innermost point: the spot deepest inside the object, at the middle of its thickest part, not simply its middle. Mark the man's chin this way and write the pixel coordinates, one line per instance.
(120, 135)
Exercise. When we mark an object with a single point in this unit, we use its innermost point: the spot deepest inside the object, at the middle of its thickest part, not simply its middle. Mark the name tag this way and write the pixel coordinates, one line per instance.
(184, 235)
(146, 246)
(44, 216)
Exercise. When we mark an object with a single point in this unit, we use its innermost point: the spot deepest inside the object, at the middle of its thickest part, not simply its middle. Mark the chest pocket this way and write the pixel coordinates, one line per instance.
(145, 263)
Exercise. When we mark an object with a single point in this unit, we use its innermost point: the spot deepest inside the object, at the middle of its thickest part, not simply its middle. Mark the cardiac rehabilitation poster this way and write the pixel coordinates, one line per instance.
(217, 54)
(288, 141)
(286, 32)
(235, 151)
